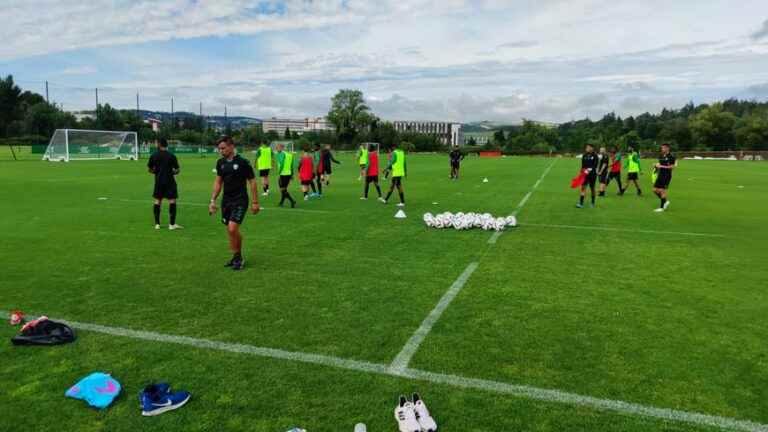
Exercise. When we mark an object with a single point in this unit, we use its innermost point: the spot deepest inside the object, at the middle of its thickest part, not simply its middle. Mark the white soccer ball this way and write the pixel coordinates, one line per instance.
(511, 221)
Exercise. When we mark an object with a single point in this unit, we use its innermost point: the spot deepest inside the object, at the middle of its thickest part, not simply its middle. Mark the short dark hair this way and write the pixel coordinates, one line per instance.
(163, 143)
(226, 139)
(665, 144)
(372, 147)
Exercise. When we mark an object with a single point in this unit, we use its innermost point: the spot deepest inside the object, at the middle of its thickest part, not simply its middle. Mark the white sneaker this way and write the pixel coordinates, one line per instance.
(659, 210)
(666, 205)
(157, 226)
(400, 205)
(382, 200)
(264, 194)
(363, 198)
(406, 416)
(306, 197)
(426, 422)
(175, 227)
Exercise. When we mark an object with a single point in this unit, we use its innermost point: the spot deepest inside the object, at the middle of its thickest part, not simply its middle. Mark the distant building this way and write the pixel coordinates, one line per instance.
(299, 126)
(448, 133)
(82, 115)
(481, 138)
(154, 123)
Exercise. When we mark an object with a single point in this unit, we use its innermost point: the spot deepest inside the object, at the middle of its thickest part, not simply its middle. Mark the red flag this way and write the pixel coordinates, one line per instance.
(579, 179)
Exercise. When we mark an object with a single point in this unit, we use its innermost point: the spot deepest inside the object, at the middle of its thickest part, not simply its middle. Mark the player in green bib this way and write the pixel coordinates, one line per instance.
(285, 162)
(397, 167)
(264, 164)
(362, 160)
(632, 164)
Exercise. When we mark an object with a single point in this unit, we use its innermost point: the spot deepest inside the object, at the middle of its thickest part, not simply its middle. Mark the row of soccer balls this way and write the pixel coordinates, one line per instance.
(464, 221)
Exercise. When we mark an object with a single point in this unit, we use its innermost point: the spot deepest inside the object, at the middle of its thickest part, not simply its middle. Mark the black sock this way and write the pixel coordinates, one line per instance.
(389, 194)
(402, 197)
(305, 193)
(319, 186)
(172, 212)
(581, 199)
(156, 211)
(663, 201)
(378, 189)
(367, 186)
(290, 198)
(312, 184)
(593, 199)
(282, 196)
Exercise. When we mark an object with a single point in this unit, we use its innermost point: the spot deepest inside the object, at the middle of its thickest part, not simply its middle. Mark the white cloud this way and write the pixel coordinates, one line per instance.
(79, 70)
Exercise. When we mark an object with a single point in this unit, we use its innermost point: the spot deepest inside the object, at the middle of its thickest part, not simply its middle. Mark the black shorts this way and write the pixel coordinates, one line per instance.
(167, 190)
(455, 165)
(372, 179)
(603, 178)
(306, 182)
(397, 181)
(264, 172)
(614, 175)
(234, 212)
(662, 181)
(284, 180)
(632, 176)
(590, 180)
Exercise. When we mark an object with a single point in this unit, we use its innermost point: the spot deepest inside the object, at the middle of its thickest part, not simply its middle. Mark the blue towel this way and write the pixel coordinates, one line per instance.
(98, 389)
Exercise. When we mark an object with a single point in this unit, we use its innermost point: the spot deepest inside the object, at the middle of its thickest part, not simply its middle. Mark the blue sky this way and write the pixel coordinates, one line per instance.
(461, 60)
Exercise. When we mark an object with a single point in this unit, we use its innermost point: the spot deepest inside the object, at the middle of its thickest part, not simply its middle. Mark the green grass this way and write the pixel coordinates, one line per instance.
(647, 315)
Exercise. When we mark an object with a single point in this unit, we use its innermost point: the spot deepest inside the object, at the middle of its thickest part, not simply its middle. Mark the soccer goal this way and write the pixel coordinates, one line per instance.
(78, 144)
(372, 144)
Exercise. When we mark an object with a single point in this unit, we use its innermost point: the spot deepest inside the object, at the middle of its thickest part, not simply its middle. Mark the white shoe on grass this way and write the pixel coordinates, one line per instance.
(175, 227)
(406, 416)
(426, 422)
(157, 226)
(659, 210)
(363, 198)
(382, 200)
(666, 205)
(401, 204)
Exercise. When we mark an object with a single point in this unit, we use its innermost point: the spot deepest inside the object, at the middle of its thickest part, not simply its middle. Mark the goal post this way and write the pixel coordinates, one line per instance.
(79, 144)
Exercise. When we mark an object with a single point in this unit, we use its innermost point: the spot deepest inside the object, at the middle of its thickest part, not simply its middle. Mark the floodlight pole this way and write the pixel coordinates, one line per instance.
(46, 91)
(173, 122)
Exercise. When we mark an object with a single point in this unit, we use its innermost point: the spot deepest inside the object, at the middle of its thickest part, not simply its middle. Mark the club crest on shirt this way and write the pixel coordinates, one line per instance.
(234, 166)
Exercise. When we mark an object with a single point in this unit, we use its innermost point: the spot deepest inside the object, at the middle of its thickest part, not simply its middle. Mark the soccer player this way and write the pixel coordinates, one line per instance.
(588, 165)
(372, 173)
(362, 160)
(306, 173)
(164, 165)
(264, 163)
(456, 157)
(632, 163)
(233, 172)
(398, 169)
(663, 170)
(285, 170)
(615, 168)
(602, 170)
(327, 158)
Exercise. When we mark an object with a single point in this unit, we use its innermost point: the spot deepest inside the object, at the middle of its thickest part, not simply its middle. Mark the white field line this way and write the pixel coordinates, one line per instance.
(404, 357)
(183, 203)
(495, 237)
(521, 391)
(628, 230)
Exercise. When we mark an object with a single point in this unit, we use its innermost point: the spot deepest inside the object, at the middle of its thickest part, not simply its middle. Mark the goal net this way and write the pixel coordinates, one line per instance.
(76, 144)
(288, 145)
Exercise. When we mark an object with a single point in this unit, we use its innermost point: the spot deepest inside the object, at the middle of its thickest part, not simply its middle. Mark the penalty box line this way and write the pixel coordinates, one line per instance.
(520, 391)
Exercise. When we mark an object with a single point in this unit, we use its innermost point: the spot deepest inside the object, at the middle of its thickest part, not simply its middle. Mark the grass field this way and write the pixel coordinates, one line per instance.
(579, 320)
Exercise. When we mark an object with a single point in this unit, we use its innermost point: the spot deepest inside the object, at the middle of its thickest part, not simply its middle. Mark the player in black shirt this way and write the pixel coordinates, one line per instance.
(588, 164)
(602, 170)
(456, 157)
(164, 165)
(663, 172)
(233, 172)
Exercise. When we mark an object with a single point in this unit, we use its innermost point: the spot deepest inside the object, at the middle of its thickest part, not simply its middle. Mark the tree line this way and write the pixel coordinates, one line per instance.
(27, 118)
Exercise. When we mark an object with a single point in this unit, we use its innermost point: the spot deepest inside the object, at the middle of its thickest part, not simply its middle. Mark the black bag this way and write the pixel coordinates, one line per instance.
(46, 332)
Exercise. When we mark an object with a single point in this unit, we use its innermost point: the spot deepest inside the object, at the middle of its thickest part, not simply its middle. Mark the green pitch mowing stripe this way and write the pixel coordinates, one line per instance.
(527, 392)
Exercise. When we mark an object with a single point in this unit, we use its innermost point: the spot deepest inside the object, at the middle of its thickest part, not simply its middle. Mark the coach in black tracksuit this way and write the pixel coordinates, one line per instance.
(589, 165)
(164, 165)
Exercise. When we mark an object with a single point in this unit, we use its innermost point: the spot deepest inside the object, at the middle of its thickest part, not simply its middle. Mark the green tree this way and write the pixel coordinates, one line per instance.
(9, 104)
(752, 132)
(713, 128)
(349, 114)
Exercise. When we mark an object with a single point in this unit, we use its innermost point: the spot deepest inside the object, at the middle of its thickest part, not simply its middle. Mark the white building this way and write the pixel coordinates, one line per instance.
(155, 123)
(310, 124)
(448, 133)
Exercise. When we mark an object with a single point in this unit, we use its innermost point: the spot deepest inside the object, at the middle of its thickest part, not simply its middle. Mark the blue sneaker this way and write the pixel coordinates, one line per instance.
(157, 399)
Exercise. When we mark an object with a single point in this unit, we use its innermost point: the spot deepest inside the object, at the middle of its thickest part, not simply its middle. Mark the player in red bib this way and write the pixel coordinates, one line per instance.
(372, 173)
(306, 174)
